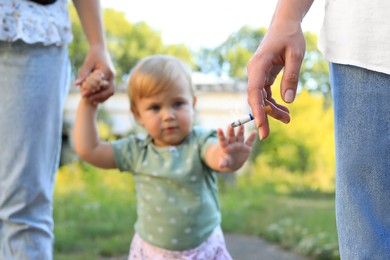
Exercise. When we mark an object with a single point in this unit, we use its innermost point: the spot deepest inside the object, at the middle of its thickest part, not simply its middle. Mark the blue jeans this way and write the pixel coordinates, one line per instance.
(33, 87)
(362, 133)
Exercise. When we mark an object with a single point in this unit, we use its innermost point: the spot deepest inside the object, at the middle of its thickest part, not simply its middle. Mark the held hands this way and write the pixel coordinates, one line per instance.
(97, 59)
(234, 149)
(283, 47)
(94, 83)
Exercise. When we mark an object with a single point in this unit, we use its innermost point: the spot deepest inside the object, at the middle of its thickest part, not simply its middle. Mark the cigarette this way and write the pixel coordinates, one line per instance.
(267, 109)
(242, 120)
(249, 117)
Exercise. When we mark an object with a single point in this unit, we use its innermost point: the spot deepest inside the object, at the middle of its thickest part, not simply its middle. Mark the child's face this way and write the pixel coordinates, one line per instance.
(168, 116)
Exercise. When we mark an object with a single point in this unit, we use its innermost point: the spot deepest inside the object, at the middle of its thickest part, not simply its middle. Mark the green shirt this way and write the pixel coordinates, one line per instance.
(177, 203)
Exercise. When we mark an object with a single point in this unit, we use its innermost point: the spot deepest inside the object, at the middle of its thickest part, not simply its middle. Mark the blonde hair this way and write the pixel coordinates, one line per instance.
(155, 74)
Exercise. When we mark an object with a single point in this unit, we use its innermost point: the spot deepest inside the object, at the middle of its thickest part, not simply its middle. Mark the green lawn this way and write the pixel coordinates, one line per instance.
(305, 224)
(94, 214)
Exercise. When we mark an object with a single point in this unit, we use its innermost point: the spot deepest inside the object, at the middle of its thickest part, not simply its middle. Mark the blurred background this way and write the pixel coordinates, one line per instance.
(284, 193)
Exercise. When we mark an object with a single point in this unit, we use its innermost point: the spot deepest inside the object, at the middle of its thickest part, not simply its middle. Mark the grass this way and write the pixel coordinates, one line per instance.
(94, 213)
(302, 224)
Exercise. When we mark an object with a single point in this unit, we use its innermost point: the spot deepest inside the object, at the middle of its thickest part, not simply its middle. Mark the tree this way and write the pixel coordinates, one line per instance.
(231, 57)
(127, 42)
(304, 147)
(314, 74)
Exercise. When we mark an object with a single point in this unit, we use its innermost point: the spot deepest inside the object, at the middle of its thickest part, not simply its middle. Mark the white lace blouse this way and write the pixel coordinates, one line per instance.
(34, 23)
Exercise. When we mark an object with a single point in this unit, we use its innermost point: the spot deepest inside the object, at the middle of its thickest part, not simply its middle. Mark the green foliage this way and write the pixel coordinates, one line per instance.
(95, 210)
(79, 47)
(231, 56)
(181, 51)
(304, 224)
(314, 74)
(304, 147)
(235, 58)
(127, 42)
(285, 151)
(236, 51)
(280, 197)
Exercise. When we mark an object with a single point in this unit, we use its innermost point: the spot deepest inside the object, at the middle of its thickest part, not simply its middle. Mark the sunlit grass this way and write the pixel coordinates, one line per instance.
(94, 213)
(302, 224)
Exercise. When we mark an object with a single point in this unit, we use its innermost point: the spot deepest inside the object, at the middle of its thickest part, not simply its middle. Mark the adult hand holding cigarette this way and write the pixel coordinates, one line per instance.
(249, 117)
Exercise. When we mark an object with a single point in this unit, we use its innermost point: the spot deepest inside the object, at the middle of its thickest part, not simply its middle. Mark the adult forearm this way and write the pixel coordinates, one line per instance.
(291, 10)
(89, 12)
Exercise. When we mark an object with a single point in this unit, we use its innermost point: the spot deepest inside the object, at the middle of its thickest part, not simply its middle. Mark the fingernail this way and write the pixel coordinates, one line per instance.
(261, 136)
(222, 163)
(289, 95)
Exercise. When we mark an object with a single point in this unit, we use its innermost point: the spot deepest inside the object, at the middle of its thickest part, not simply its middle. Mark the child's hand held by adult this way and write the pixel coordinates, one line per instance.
(97, 59)
(93, 83)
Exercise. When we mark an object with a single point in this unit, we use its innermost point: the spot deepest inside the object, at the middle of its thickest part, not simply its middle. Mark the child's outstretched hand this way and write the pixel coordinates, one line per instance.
(94, 83)
(234, 149)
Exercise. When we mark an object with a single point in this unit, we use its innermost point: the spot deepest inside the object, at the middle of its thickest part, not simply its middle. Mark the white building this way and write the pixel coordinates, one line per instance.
(219, 102)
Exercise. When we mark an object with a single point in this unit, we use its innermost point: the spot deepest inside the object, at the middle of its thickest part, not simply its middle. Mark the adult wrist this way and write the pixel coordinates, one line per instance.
(291, 10)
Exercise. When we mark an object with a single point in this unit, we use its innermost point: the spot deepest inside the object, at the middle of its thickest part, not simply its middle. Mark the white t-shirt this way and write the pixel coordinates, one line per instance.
(34, 23)
(357, 32)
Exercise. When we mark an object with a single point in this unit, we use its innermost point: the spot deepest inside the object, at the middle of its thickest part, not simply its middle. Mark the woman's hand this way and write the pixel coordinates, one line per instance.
(97, 59)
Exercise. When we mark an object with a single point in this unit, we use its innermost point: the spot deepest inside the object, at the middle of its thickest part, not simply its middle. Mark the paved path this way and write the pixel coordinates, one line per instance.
(242, 247)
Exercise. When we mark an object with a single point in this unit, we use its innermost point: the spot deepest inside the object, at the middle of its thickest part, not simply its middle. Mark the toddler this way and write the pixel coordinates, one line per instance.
(174, 165)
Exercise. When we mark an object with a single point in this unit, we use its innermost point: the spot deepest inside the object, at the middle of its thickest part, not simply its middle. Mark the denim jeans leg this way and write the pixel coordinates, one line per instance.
(362, 134)
(33, 86)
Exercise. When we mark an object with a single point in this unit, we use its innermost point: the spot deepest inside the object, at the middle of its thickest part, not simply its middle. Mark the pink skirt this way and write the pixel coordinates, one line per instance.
(213, 248)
